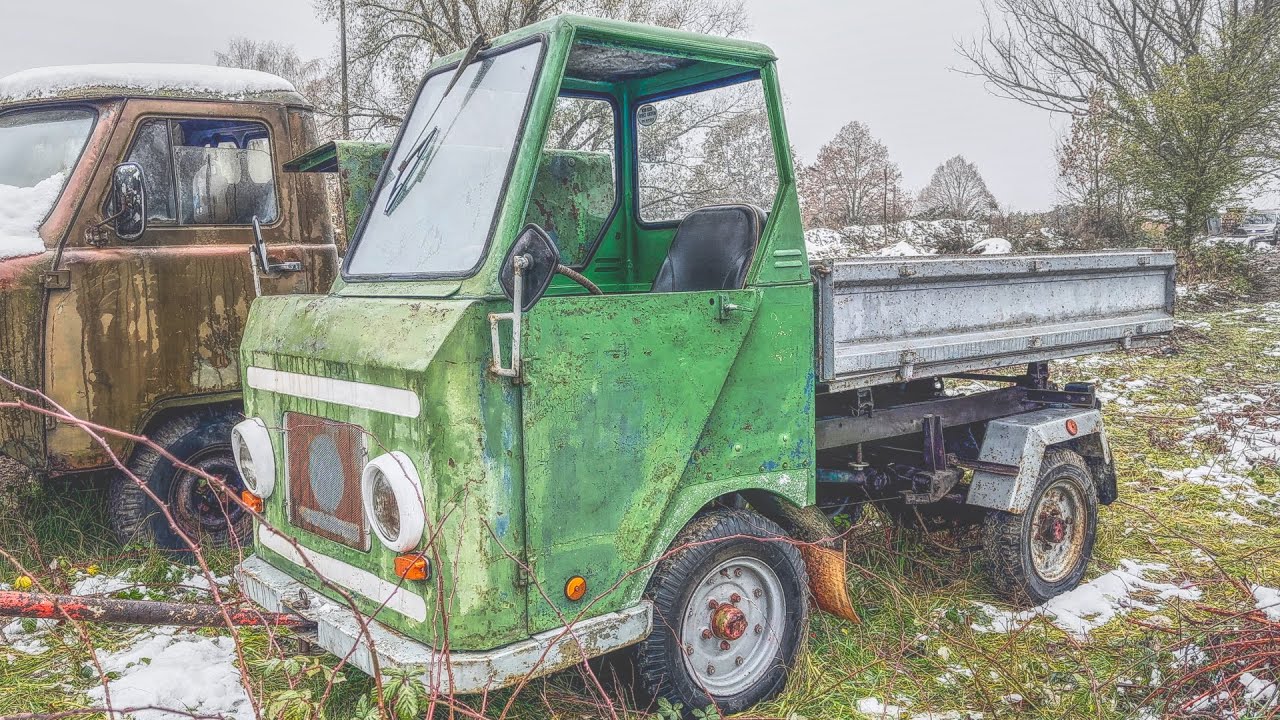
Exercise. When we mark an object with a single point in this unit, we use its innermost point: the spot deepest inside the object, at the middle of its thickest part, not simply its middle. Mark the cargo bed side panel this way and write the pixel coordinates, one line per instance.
(887, 320)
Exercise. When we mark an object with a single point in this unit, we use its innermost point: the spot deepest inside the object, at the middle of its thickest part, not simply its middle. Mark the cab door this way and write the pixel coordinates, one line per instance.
(618, 389)
(138, 325)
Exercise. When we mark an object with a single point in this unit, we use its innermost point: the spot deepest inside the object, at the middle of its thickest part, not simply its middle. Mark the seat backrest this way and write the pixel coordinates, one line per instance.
(712, 249)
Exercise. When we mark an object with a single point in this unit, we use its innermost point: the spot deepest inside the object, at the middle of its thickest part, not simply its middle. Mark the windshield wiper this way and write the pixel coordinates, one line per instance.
(414, 166)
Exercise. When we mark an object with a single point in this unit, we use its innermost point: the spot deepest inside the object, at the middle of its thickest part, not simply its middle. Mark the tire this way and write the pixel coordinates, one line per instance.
(1026, 563)
(201, 439)
(765, 626)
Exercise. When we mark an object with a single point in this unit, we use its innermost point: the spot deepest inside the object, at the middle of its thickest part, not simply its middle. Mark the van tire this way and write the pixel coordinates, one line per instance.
(1020, 568)
(200, 438)
(762, 559)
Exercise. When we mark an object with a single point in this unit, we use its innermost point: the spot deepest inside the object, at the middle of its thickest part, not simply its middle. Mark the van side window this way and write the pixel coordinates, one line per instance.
(206, 172)
(705, 148)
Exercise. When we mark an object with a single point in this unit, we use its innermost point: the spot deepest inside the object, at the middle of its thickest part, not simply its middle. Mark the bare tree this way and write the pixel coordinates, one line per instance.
(852, 182)
(391, 42)
(1192, 86)
(1091, 177)
(957, 191)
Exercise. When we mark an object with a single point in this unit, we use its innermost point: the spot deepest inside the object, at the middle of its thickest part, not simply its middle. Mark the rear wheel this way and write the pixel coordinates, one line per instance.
(1045, 551)
(201, 439)
(730, 610)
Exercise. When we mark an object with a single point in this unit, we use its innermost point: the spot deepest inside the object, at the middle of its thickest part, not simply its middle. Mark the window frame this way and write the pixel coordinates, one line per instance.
(618, 175)
(639, 102)
(135, 137)
(358, 236)
(97, 117)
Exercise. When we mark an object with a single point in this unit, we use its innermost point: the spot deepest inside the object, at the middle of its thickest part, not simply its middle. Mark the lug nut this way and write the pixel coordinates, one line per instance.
(724, 573)
(759, 629)
(724, 644)
(711, 669)
(712, 604)
(688, 649)
(735, 598)
(738, 661)
(706, 634)
(757, 593)
(737, 572)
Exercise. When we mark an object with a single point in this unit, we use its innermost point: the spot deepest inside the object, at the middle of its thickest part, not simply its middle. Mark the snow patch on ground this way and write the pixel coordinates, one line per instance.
(22, 210)
(1268, 601)
(901, 249)
(992, 246)
(1094, 603)
(176, 670)
(145, 77)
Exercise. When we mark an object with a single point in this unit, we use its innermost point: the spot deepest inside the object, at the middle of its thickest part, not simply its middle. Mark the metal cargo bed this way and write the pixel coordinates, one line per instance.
(883, 320)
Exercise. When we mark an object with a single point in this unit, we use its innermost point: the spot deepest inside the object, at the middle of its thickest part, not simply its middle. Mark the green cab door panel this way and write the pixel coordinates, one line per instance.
(618, 392)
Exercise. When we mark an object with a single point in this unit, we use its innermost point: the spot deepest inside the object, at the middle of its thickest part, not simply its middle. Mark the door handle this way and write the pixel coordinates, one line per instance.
(728, 308)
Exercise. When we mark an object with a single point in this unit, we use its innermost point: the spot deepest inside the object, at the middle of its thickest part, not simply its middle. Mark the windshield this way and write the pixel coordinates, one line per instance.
(38, 149)
(439, 197)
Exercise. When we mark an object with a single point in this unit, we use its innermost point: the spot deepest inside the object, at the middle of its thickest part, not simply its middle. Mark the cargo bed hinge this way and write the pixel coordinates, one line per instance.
(57, 280)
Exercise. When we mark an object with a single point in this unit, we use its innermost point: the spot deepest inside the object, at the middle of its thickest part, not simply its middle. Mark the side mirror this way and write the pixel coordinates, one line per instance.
(129, 201)
(539, 257)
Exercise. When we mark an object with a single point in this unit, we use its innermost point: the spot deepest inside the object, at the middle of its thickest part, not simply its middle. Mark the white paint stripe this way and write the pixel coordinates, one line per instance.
(379, 398)
(362, 582)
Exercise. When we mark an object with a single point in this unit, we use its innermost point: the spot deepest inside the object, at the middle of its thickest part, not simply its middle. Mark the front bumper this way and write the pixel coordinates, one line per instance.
(338, 630)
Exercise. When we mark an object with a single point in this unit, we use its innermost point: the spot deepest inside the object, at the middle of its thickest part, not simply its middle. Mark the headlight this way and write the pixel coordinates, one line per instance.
(251, 445)
(393, 502)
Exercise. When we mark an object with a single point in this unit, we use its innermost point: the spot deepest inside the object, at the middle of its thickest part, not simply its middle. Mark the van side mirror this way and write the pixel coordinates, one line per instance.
(538, 258)
(128, 201)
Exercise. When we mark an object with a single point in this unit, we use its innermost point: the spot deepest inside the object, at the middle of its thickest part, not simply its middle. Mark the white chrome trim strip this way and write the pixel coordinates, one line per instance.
(379, 398)
(365, 583)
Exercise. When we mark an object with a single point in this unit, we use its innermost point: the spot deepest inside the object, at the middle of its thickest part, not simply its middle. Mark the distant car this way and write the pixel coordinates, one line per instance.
(1259, 226)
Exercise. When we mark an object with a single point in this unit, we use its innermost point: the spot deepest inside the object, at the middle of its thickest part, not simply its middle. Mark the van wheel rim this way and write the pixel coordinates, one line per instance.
(731, 630)
(197, 505)
(1057, 531)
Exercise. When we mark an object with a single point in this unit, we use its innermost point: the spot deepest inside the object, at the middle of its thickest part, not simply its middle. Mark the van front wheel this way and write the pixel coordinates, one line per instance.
(730, 607)
(202, 440)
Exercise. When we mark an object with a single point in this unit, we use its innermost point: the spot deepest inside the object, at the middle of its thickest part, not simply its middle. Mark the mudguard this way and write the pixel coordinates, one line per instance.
(1009, 463)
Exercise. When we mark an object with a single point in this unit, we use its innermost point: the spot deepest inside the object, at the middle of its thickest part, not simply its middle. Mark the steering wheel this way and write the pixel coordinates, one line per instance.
(579, 278)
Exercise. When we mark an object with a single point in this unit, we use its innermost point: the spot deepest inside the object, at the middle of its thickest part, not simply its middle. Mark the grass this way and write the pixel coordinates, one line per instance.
(917, 594)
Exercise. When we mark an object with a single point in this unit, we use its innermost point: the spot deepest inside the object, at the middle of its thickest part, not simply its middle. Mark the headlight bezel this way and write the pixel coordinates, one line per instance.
(406, 486)
(252, 435)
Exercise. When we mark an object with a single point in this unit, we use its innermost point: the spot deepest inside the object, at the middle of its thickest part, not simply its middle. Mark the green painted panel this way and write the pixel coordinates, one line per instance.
(619, 389)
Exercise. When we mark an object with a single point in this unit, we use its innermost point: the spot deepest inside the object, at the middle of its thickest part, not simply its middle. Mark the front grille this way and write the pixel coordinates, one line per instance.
(324, 461)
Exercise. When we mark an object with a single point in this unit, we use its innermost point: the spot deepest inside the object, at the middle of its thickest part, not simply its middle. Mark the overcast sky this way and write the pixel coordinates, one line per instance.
(887, 63)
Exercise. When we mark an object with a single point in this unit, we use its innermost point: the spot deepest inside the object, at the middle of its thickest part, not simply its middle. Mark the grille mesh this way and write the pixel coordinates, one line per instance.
(324, 463)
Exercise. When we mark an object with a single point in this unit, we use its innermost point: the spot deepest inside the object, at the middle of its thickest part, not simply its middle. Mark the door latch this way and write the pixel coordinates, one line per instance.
(57, 280)
(728, 308)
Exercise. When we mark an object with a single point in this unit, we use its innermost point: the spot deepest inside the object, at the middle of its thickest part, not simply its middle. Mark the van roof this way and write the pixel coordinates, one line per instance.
(201, 82)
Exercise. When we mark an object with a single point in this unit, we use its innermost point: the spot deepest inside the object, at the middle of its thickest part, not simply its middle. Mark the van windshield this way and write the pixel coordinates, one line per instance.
(38, 150)
(438, 201)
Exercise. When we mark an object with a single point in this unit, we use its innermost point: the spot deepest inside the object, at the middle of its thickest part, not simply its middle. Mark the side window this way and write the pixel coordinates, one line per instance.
(207, 172)
(575, 190)
(706, 148)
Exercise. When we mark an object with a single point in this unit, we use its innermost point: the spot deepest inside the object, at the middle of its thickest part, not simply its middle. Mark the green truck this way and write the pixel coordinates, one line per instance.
(579, 390)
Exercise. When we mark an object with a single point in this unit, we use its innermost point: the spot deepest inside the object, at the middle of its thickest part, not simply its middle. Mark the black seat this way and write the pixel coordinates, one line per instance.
(712, 249)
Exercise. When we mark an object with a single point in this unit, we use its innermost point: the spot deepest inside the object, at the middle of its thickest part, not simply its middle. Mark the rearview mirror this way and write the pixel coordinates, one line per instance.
(129, 201)
(540, 256)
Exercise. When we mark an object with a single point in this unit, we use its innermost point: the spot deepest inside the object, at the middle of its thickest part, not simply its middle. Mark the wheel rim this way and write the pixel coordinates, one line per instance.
(732, 627)
(197, 505)
(1057, 530)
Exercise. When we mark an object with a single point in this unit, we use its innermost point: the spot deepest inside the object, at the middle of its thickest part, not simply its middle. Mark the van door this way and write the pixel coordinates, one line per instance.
(157, 321)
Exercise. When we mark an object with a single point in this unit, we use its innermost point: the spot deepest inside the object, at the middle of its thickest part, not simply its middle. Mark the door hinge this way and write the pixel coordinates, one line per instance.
(522, 576)
(57, 279)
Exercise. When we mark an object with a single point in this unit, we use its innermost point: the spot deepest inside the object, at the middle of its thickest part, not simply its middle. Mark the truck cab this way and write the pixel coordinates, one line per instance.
(564, 397)
(128, 195)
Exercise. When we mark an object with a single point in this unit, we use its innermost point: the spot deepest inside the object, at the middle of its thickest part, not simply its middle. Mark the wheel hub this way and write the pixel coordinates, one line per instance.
(1057, 540)
(728, 622)
(1053, 529)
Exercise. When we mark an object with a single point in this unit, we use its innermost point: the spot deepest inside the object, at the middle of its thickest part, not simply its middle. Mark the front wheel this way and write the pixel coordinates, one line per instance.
(730, 609)
(202, 440)
(1045, 551)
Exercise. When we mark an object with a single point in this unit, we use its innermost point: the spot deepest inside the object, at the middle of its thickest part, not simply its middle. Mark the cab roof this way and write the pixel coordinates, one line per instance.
(659, 40)
(94, 82)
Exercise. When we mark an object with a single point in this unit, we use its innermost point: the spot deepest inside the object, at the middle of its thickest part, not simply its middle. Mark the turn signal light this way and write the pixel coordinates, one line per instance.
(576, 588)
(1072, 427)
(413, 567)
(253, 502)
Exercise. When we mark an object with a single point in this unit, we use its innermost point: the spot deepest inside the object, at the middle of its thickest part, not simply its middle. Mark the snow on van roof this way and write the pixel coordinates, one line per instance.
(201, 81)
